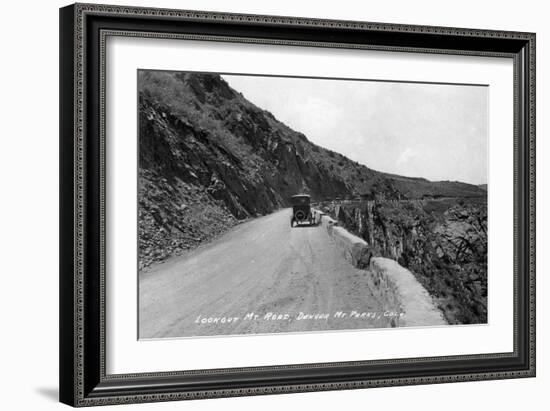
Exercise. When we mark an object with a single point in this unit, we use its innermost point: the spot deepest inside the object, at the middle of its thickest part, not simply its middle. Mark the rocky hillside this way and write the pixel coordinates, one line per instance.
(443, 242)
(209, 158)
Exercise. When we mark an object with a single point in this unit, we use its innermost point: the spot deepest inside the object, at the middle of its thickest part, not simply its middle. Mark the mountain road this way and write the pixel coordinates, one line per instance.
(260, 277)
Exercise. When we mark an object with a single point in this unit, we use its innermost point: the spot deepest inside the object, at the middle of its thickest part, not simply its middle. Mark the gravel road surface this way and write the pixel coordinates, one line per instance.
(261, 277)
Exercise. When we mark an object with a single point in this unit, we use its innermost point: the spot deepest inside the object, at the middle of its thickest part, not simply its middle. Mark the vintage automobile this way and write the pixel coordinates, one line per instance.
(301, 210)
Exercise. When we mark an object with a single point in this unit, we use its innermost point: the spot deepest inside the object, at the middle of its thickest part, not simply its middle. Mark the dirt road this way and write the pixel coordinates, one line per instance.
(257, 278)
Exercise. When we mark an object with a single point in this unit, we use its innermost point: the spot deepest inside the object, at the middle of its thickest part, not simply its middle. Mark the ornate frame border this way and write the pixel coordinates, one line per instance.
(82, 363)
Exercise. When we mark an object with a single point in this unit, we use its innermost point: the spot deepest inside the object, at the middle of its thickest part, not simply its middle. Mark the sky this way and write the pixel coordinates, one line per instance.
(435, 131)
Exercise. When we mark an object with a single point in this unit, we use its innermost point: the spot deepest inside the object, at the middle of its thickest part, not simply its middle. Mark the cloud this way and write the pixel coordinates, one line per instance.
(416, 130)
(406, 156)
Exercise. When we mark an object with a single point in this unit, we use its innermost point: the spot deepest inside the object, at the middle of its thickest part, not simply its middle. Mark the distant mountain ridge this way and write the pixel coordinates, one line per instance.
(208, 158)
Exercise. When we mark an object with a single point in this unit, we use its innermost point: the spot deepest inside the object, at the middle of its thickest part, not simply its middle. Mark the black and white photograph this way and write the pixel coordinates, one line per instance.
(272, 204)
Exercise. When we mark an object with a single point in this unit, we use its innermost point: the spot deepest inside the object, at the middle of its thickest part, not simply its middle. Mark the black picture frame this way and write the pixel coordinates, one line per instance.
(83, 29)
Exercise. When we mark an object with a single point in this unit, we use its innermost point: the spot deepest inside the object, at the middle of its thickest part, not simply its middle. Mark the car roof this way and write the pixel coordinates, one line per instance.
(300, 195)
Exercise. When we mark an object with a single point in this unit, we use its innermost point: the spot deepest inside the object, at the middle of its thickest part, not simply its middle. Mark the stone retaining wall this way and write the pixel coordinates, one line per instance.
(394, 286)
